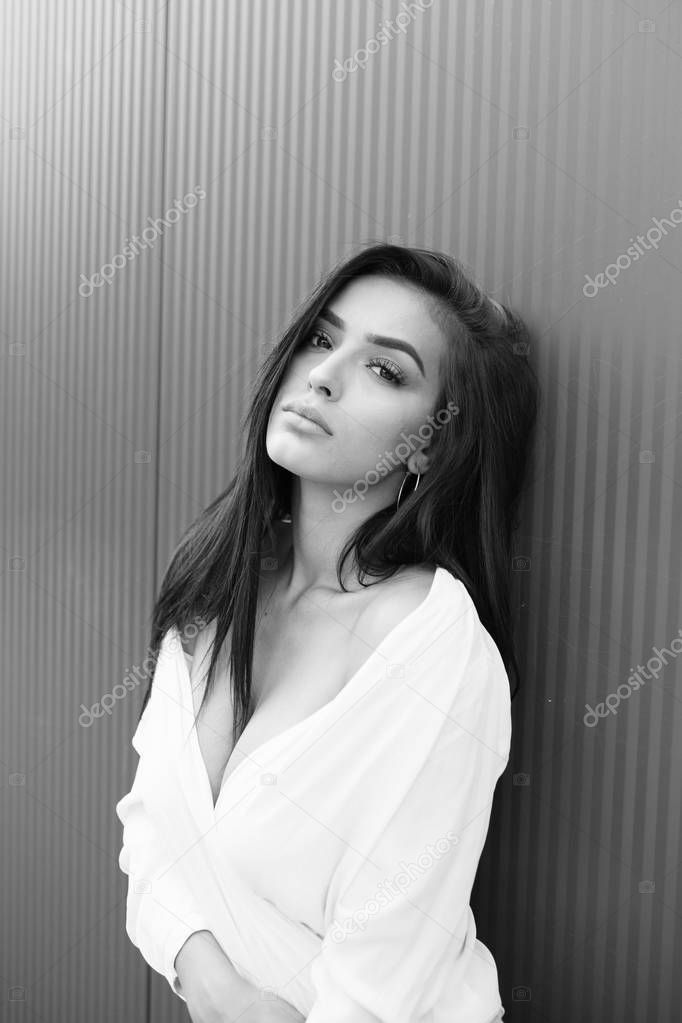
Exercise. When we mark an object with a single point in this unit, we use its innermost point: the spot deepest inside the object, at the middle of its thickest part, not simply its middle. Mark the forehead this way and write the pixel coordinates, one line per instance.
(393, 308)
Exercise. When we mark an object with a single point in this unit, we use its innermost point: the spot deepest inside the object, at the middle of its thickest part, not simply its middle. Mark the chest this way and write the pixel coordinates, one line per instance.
(301, 661)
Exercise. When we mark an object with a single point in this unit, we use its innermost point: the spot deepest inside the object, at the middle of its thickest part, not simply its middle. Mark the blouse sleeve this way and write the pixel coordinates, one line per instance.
(160, 911)
(399, 924)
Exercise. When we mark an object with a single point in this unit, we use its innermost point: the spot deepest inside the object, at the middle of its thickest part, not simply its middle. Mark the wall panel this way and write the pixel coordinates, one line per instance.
(530, 140)
(81, 146)
(533, 140)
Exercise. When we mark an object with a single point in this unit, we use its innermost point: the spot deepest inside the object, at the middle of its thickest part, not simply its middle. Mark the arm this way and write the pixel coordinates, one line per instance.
(160, 911)
(217, 993)
(398, 923)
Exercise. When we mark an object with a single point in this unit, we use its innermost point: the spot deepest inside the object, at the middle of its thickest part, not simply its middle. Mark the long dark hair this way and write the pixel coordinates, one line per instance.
(461, 516)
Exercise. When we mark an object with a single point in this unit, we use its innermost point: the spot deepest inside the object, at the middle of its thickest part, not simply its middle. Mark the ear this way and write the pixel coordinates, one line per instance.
(419, 461)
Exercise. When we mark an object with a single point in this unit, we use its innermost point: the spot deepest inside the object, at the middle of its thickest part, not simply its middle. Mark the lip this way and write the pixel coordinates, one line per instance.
(307, 412)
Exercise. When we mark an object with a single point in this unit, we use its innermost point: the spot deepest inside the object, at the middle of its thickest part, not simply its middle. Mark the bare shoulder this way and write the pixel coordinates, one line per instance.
(188, 642)
(193, 638)
(394, 599)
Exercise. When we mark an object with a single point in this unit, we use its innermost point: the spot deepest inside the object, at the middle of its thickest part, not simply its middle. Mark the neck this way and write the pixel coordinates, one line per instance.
(317, 534)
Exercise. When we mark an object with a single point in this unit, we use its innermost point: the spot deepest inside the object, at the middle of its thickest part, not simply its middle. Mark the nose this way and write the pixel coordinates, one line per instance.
(321, 379)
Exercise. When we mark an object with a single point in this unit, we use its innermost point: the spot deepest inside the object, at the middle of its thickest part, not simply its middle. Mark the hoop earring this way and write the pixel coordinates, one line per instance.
(400, 492)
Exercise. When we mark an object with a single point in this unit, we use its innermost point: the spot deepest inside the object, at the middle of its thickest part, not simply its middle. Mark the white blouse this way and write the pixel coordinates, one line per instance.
(337, 864)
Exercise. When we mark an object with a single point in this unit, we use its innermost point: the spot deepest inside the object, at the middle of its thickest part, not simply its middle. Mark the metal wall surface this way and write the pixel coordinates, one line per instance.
(536, 141)
(81, 144)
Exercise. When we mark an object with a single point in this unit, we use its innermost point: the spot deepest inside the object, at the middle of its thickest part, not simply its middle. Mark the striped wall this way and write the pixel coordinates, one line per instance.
(537, 141)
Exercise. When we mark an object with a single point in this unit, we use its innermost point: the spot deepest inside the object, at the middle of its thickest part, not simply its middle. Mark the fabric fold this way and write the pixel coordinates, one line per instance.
(337, 866)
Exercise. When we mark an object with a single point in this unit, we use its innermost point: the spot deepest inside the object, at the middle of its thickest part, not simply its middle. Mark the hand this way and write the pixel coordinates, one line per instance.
(246, 1004)
(208, 979)
(259, 1009)
(216, 993)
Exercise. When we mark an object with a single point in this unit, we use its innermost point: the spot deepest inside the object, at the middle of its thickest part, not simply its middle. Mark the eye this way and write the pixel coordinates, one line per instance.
(395, 374)
(320, 333)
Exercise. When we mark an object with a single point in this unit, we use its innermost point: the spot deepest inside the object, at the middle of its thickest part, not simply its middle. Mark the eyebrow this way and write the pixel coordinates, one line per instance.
(376, 339)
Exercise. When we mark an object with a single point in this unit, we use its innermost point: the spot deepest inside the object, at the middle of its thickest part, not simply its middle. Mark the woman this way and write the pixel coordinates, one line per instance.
(316, 773)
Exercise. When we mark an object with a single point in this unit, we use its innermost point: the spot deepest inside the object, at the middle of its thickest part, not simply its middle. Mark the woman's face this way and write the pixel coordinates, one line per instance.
(368, 389)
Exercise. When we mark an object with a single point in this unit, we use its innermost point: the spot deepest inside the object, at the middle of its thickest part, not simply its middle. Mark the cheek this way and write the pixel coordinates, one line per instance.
(368, 429)
(390, 423)
(386, 423)
(295, 380)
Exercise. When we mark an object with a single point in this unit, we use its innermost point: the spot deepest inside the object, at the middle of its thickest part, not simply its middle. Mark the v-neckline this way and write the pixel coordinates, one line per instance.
(227, 776)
